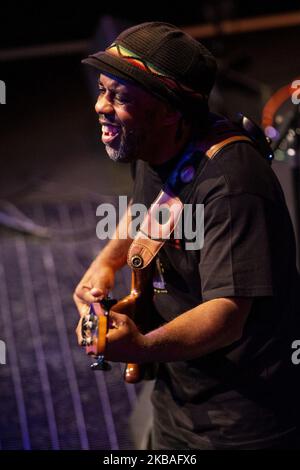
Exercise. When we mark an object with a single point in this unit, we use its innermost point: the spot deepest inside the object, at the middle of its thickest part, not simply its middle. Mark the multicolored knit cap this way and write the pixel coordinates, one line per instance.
(163, 60)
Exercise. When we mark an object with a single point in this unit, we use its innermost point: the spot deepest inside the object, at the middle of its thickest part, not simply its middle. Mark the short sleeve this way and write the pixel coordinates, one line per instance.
(235, 259)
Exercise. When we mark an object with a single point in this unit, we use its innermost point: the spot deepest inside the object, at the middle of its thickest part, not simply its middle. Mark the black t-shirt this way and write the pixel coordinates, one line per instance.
(244, 395)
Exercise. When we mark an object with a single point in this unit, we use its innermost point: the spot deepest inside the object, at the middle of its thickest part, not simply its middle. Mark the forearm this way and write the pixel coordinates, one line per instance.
(115, 252)
(197, 332)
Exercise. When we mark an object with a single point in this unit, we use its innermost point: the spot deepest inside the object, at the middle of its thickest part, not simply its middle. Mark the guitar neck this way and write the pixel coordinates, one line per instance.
(141, 280)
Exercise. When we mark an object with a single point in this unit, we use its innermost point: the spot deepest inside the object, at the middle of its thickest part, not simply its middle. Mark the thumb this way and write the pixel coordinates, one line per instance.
(97, 292)
(78, 331)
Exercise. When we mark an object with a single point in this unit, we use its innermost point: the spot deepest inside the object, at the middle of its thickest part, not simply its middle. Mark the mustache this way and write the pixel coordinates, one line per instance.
(108, 121)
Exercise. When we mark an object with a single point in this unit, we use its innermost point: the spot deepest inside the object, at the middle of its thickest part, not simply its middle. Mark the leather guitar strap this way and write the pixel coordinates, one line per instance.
(153, 232)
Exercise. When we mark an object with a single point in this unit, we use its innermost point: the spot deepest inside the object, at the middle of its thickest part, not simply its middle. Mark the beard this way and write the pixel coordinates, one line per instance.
(130, 146)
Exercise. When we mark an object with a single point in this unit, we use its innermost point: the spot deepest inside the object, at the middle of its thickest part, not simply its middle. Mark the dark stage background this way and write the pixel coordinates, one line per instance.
(54, 172)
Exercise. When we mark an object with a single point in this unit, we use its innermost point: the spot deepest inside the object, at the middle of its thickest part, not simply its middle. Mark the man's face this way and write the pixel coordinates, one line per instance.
(129, 118)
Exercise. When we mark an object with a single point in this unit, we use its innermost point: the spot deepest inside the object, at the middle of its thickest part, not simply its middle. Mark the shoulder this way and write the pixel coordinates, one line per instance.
(136, 168)
(239, 168)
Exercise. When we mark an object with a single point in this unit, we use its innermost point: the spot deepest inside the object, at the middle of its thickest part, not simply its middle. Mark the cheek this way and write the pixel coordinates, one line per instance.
(125, 116)
(138, 117)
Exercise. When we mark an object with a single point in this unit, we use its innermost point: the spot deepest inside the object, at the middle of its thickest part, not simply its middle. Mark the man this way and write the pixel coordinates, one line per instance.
(228, 312)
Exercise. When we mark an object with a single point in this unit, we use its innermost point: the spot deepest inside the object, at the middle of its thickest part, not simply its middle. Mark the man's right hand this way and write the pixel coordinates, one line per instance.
(95, 284)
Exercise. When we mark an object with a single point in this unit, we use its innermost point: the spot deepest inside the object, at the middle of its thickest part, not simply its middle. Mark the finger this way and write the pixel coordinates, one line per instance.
(114, 335)
(97, 292)
(78, 331)
(117, 317)
(82, 307)
(85, 296)
(115, 324)
(117, 320)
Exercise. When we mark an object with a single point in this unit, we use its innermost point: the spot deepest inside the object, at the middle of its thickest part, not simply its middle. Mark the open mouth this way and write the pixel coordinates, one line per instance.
(109, 133)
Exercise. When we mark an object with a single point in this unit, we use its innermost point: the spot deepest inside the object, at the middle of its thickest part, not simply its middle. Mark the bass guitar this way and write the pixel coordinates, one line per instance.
(93, 327)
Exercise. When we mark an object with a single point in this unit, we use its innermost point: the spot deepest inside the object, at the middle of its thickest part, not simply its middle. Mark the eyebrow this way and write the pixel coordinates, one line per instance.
(113, 87)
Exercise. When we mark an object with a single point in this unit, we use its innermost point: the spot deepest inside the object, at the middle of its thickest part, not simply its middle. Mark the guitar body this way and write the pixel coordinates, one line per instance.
(139, 307)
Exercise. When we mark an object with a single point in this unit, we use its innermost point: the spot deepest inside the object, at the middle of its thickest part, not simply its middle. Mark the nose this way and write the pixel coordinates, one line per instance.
(103, 105)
